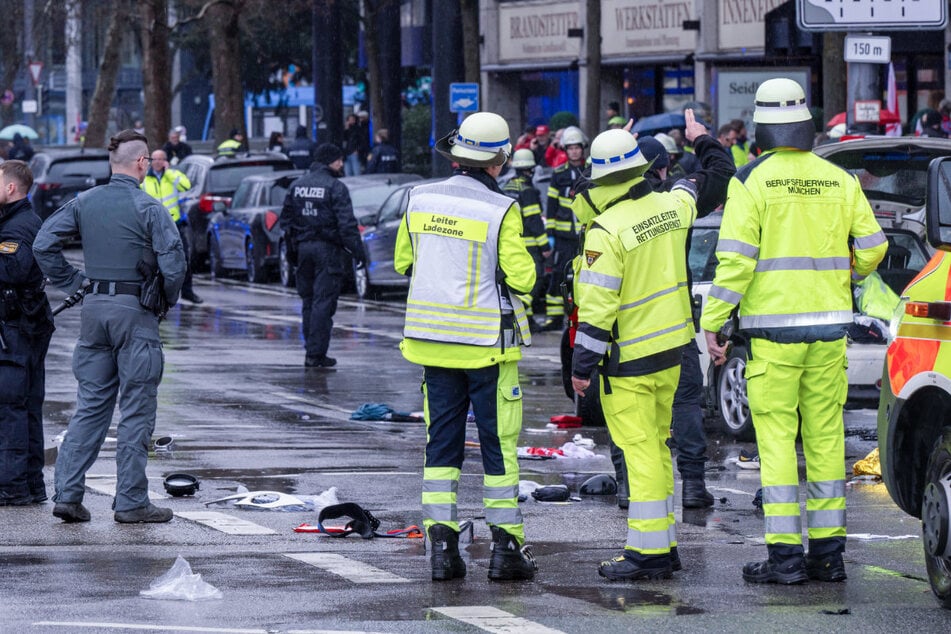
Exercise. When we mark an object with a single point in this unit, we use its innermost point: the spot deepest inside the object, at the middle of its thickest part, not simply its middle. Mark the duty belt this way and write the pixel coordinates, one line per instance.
(102, 287)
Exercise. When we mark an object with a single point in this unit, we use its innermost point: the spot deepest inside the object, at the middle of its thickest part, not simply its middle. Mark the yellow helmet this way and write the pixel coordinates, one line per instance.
(780, 100)
(523, 159)
(481, 141)
(616, 151)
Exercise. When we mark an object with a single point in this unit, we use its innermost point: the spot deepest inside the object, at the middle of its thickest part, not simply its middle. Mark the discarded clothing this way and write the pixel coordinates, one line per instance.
(383, 412)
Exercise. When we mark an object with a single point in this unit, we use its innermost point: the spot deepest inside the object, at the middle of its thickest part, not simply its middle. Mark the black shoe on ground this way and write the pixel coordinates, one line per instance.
(445, 560)
(22, 501)
(632, 567)
(320, 362)
(147, 514)
(193, 298)
(508, 562)
(695, 495)
(71, 512)
(675, 564)
(788, 572)
(828, 568)
(39, 497)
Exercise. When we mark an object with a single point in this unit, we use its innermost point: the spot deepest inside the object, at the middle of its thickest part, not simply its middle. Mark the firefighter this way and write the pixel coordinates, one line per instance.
(233, 144)
(561, 222)
(784, 261)
(461, 242)
(634, 320)
(533, 225)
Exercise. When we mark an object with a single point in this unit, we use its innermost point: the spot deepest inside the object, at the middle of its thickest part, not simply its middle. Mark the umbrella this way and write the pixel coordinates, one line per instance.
(25, 131)
(663, 122)
(884, 116)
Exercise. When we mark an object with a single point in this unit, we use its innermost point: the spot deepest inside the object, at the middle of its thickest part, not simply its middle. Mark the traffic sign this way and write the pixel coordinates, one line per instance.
(870, 49)
(871, 15)
(29, 106)
(35, 69)
(463, 97)
(869, 111)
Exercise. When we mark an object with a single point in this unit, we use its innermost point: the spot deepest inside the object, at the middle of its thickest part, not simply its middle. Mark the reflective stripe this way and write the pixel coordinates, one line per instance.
(552, 192)
(826, 489)
(644, 540)
(738, 246)
(564, 201)
(726, 295)
(440, 486)
(800, 319)
(496, 516)
(783, 524)
(490, 147)
(656, 333)
(653, 510)
(832, 518)
(872, 241)
(644, 300)
(785, 494)
(440, 512)
(687, 186)
(621, 158)
(531, 210)
(603, 280)
(590, 343)
(500, 493)
(803, 264)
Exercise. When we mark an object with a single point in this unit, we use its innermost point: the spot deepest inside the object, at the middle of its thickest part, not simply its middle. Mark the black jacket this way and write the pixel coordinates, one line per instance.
(18, 269)
(318, 208)
(301, 150)
(383, 160)
(178, 150)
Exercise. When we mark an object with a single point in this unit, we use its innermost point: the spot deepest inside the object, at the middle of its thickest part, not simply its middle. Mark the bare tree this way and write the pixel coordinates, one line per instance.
(105, 91)
(156, 68)
(224, 42)
(471, 36)
(592, 70)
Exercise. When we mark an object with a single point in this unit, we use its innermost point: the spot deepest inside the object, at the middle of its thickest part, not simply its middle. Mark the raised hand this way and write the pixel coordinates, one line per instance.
(694, 128)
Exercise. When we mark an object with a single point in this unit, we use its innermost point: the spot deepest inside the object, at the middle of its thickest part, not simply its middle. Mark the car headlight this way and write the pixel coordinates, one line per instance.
(896, 318)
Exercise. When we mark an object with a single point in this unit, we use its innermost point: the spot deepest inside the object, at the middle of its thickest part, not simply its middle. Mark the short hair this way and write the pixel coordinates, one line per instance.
(127, 146)
(384, 135)
(737, 124)
(19, 172)
(725, 129)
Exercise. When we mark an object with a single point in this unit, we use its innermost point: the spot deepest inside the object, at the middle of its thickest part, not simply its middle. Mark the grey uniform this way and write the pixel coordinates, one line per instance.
(119, 353)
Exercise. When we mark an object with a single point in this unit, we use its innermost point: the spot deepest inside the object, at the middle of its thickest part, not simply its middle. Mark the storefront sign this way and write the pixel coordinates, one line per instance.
(742, 22)
(539, 31)
(736, 90)
(630, 27)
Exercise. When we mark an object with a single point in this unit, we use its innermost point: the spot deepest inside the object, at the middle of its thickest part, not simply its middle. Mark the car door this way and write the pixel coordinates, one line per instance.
(380, 240)
(236, 227)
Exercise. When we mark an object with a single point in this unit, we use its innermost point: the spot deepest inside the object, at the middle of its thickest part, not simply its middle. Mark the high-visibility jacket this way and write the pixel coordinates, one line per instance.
(229, 147)
(458, 236)
(533, 225)
(166, 189)
(740, 153)
(633, 300)
(784, 249)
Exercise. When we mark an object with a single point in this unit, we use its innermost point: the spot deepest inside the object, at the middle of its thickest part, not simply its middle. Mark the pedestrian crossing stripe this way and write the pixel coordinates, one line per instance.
(494, 620)
(106, 484)
(225, 523)
(153, 627)
(350, 569)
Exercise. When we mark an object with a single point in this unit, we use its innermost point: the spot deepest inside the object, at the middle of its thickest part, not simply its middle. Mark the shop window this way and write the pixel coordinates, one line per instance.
(545, 93)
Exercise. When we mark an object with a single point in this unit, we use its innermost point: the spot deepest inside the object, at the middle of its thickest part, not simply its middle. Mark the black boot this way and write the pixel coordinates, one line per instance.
(508, 561)
(620, 473)
(632, 566)
(675, 564)
(695, 494)
(787, 571)
(824, 561)
(446, 562)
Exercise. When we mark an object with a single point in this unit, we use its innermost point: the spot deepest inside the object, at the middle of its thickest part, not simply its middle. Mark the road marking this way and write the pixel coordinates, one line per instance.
(225, 523)
(106, 484)
(729, 490)
(355, 571)
(494, 620)
(148, 626)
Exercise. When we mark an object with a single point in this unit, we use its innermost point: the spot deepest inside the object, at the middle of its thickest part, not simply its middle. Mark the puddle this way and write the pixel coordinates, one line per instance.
(627, 599)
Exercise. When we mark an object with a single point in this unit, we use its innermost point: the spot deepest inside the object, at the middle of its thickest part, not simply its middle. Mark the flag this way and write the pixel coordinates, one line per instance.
(891, 99)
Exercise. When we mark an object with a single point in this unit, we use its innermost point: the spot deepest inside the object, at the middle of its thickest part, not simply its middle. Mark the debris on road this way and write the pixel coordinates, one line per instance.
(179, 583)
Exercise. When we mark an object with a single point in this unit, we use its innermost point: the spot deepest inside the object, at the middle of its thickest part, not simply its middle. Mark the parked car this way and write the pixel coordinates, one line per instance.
(914, 412)
(59, 175)
(215, 180)
(893, 175)
(367, 193)
(246, 236)
(379, 242)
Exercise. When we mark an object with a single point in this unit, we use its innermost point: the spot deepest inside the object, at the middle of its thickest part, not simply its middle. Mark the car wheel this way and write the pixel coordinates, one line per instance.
(214, 258)
(589, 407)
(935, 515)
(732, 401)
(256, 272)
(285, 267)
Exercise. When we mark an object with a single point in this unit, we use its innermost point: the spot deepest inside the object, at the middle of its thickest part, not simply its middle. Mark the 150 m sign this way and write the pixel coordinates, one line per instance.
(869, 49)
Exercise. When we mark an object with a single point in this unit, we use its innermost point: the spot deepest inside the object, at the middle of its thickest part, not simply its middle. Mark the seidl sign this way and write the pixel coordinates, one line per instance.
(736, 91)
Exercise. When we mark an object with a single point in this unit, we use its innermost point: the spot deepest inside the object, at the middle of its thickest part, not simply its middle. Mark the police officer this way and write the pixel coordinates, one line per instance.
(317, 218)
(534, 234)
(26, 325)
(561, 222)
(784, 261)
(301, 150)
(165, 184)
(384, 159)
(119, 353)
(233, 144)
(634, 320)
(461, 242)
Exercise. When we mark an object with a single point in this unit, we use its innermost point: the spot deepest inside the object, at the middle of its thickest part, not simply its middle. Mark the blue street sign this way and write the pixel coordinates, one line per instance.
(463, 97)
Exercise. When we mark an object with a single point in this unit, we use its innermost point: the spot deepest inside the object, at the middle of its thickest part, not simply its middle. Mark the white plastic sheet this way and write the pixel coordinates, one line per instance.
(179, 583)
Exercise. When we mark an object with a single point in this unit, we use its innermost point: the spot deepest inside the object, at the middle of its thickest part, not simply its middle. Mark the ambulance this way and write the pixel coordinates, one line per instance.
(914, 414)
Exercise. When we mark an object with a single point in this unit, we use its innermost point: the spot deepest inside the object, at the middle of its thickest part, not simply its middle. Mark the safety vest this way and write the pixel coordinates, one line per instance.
(633, 300)
(783, 249)
(229, 147)
(454, 296)
(166, 189)
(740, 153)
(521, 189)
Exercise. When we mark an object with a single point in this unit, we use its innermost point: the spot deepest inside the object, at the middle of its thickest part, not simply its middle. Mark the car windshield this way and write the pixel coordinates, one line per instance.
(703, 264)
(370, 196)
(226, 178)
(897, 174)
(240, 198)
(97, 168)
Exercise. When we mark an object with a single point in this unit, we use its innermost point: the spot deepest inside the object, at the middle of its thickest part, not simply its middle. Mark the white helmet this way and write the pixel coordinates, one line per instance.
(572, 135)
(615, 151)
(781, 100)
(523, 159)
(668, 142)
(481, 141)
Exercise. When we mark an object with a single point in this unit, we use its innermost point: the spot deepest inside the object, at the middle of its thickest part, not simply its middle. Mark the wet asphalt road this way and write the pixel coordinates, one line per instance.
(242, 411)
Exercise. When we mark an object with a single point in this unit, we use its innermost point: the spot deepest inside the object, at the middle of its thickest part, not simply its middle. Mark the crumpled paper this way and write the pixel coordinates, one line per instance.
(179, 583)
